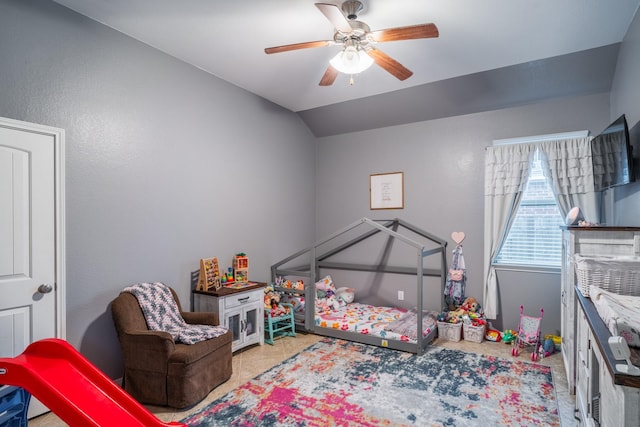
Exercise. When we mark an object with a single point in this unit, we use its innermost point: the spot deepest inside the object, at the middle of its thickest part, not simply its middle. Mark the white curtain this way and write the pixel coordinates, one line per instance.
(506, 173)
(568, 168)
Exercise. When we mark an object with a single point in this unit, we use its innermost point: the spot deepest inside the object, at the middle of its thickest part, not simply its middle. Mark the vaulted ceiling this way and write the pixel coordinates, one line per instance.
(489, 54)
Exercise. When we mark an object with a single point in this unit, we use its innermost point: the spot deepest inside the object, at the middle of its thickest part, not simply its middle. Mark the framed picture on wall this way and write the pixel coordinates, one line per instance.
(386, 190)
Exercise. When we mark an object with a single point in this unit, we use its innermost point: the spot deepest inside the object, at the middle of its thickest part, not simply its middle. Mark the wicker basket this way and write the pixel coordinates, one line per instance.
(450, 331)
(620, 274)
(473, 333)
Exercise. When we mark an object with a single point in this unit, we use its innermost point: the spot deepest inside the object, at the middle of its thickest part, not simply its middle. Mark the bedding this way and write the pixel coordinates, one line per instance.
(621, 313)
(385, 322)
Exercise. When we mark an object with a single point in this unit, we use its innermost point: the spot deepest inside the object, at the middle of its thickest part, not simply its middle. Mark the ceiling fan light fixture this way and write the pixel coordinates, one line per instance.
(351, 60)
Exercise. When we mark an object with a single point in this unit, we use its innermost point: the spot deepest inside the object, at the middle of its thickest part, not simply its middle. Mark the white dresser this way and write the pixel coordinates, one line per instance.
(240, 310)
(586, 241)
(604, 396)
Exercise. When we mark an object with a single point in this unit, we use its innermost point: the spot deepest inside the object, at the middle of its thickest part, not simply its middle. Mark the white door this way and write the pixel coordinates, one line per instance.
(30, 237)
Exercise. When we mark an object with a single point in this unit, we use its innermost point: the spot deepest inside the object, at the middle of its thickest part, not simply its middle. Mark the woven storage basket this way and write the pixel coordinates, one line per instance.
(450, 331)
(614, 274)
(473, 333)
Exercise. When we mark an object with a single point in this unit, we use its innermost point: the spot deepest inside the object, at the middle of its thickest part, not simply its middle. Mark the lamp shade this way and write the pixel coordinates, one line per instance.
(351, 60)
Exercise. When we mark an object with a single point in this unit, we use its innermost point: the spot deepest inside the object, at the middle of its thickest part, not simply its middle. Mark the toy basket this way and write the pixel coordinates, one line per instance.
(620, 274)
(450, 331)
(473, 333)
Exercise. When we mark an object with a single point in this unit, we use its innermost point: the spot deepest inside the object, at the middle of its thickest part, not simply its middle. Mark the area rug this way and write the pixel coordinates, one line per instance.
(341, 383)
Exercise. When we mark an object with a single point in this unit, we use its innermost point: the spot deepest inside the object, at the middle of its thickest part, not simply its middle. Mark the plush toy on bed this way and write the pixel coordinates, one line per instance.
(345, 295)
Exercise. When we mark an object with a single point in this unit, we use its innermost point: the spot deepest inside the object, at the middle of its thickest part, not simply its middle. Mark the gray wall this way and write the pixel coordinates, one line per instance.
(443, 165)
(165, 164)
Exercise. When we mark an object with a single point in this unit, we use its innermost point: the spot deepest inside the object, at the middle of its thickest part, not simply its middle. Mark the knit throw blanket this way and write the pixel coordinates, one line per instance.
(161, 313)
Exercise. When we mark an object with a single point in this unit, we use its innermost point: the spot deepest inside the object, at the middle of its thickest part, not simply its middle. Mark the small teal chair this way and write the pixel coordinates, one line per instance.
(280, 326)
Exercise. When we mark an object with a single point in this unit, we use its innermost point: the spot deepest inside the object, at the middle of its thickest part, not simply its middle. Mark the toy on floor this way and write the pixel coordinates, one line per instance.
(469, 310)
(528, 334)
(508, 336)
(548, 348)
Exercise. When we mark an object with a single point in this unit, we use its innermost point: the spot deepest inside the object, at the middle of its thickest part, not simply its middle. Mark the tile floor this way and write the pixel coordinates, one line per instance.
(252, 361)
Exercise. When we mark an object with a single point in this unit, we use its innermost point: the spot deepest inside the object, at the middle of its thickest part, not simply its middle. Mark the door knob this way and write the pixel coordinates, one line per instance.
(45, 288)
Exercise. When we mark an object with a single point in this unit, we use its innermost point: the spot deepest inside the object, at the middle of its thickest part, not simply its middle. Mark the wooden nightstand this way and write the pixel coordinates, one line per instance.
(240, 310)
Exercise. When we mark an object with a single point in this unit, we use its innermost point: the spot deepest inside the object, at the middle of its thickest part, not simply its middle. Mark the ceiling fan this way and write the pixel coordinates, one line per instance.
(357, 40)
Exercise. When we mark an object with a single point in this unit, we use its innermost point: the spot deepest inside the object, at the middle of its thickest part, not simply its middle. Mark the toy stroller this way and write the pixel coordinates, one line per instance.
(528, 334)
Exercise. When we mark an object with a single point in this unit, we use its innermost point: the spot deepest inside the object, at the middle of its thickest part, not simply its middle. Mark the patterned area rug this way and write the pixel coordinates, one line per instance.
(340, 383)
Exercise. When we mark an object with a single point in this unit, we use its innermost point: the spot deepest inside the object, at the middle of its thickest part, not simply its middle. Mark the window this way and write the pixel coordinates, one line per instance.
(534, 238)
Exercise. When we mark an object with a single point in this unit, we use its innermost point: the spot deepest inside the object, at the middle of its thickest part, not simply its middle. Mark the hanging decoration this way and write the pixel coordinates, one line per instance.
(454, 290)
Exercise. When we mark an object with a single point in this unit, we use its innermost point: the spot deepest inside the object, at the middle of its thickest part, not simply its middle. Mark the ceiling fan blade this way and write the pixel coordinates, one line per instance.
(392, 66)
(421, 31)
(296, 46)
(335, 16)
(329, 76)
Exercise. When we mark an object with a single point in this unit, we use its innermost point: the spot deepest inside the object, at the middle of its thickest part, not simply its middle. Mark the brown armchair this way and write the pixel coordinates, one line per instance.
(159, 371)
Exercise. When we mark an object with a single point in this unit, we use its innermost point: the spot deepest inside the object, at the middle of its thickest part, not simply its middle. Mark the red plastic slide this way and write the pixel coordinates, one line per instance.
(74, 389)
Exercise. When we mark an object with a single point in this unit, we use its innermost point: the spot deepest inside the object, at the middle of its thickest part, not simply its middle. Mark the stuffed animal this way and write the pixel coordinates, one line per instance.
(470, 304)
(345, 295)
(272, 303)
(271, 298)
(299, 285)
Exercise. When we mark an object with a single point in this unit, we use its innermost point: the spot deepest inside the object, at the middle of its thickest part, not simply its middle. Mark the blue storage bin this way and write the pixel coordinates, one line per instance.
(14, 403)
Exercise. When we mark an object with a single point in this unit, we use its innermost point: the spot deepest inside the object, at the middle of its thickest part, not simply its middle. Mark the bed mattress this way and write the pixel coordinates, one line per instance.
(386, 322)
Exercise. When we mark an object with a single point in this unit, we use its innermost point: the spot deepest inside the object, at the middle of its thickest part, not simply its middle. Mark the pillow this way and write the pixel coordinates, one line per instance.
(326, 295)
(326, 284)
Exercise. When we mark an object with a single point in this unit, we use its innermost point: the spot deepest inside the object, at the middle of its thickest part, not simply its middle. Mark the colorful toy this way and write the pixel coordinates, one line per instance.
(508, 336)
(470, 304)
(241, 267)
(272, 303)
(470, 308)
(74, 389)
(493, 335)
(209, 275)
(345, 295)
(557, 341)
(528, 334)
(548, 348)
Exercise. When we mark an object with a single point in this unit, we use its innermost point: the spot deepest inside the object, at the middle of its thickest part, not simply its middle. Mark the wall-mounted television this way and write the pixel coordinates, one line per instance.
(612, 157)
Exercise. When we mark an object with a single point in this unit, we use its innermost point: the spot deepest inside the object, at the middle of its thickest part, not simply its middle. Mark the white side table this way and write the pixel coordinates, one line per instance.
(240, 310)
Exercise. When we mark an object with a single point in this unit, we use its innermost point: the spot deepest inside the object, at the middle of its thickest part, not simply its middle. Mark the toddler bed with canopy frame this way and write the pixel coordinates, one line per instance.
(393, 327)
